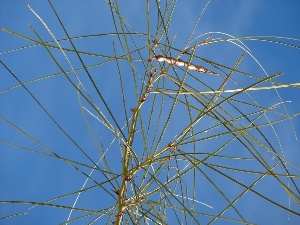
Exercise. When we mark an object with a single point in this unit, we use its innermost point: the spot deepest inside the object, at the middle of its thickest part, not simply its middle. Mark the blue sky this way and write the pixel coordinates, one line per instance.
(34, 177)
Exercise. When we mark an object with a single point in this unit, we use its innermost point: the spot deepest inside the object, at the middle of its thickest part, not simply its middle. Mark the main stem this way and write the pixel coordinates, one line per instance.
(128, 148)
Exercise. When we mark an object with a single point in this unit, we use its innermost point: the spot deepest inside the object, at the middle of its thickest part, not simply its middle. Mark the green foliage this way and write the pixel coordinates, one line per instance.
(183, 139)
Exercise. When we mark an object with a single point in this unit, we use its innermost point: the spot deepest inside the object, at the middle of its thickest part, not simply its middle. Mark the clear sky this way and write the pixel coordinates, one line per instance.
(28, 176)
